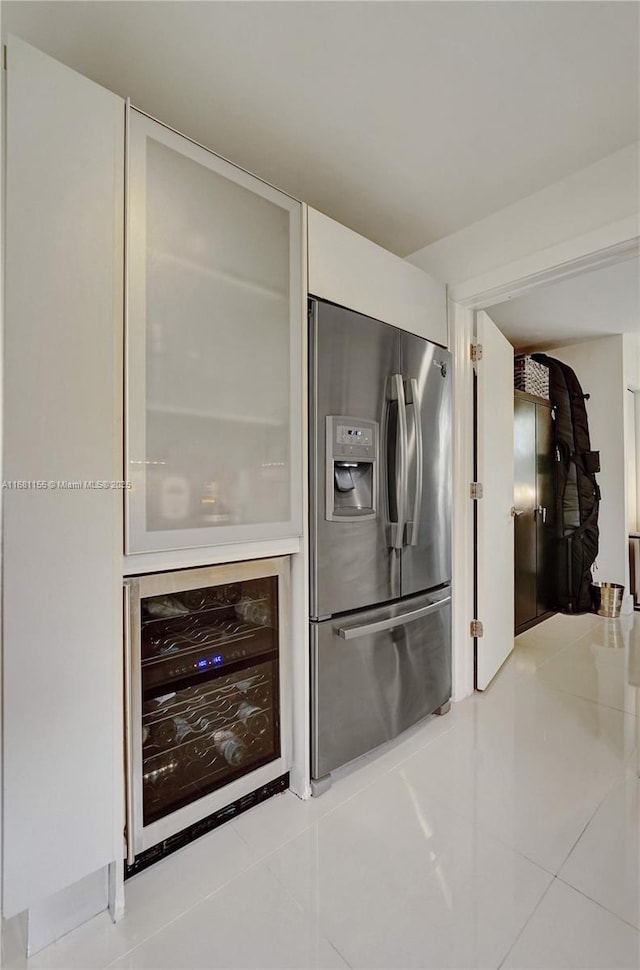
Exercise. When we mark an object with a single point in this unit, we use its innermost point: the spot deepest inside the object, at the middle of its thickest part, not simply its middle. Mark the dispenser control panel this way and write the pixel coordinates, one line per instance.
(357, 440)
(351, 468)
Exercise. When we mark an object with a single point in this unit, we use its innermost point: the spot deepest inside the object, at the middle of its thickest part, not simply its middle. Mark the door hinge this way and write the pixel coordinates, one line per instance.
(476, 352)
(476, 629)
(475, 490)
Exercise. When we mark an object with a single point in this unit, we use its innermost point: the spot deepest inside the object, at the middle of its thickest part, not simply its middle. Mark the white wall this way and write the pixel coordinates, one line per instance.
(596, 196)
(599, 366)
(631, 351)
(631, 459)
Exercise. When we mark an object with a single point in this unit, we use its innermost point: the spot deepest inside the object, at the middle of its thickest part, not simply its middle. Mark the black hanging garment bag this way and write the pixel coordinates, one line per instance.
(577, 495)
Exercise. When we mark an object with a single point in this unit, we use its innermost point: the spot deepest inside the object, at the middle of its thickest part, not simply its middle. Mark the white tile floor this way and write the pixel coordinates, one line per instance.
(506, 834)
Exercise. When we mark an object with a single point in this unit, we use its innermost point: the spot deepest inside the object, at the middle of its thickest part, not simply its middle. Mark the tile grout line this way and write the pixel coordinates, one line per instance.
(263, 856)
(522, 675)
(387, 771)
(614, 783)
(391, 768)
(174, 919)
(555, 656)
(616, 780)
(488, 834)
(246, 869)
(542, 635)
(526, 923)
(599, 904)
(609, 707)
(573, 643)
(307, 914)
(602, 652)
(345, 801)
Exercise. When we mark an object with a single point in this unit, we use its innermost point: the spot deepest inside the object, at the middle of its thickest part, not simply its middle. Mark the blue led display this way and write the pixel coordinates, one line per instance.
(205, 662)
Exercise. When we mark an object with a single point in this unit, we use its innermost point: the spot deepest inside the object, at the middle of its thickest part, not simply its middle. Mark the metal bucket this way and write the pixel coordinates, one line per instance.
(607, 598)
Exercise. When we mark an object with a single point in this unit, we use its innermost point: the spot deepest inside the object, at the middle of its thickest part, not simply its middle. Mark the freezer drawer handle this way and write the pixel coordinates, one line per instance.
(351, 632)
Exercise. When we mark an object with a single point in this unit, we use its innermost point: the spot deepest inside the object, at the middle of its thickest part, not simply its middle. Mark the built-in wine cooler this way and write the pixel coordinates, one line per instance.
(207, 693)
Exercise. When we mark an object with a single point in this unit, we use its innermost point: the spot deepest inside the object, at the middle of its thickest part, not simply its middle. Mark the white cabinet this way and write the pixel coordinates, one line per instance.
(354, 272)
(62, 599)
(214, 328)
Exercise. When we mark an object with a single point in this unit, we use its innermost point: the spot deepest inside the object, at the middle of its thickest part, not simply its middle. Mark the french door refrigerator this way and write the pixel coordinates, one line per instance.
(380, 524)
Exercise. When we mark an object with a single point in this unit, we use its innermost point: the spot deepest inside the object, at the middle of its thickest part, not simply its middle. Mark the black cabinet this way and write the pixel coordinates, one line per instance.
(534, 508)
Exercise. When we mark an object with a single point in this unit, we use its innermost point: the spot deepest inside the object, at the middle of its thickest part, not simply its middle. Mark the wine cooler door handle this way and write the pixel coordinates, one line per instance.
(400, 471)
(414, 400)
(352, 632)
(128, 725)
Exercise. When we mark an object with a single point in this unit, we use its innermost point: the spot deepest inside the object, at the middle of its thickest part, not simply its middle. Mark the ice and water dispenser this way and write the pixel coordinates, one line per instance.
(352, 474)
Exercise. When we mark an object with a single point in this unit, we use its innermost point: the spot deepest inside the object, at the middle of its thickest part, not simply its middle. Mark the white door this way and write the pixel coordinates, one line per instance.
(494, 549)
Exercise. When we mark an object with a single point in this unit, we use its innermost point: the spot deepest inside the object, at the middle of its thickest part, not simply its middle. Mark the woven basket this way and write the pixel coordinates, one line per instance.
(530, 376)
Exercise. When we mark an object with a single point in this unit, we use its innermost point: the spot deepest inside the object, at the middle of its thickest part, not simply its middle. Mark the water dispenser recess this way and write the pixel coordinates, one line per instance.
(352, 468)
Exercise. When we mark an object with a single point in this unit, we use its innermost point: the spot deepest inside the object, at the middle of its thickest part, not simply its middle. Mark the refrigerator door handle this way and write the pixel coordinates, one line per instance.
(400, 473)
(413, 398)
(352, 632)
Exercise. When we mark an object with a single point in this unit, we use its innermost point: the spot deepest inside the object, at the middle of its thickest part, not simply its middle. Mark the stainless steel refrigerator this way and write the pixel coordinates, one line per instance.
(380, 516)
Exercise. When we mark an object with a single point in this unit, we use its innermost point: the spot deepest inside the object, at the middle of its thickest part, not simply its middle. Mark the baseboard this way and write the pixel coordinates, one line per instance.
(14, 941)
(54, 917)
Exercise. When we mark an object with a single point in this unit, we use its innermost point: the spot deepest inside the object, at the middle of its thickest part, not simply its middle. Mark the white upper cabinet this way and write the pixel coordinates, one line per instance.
(354, 272)
(214, 329)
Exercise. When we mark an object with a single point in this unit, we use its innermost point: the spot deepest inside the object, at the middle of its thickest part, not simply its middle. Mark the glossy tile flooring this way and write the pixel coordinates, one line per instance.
(505, 834)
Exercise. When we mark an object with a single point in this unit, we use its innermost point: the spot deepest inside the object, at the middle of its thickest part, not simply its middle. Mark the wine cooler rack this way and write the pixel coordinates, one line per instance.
(198, 738)
(201, 630)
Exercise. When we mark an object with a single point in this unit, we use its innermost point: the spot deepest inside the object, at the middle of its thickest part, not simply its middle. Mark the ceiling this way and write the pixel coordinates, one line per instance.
(604, 301)
(404, 120)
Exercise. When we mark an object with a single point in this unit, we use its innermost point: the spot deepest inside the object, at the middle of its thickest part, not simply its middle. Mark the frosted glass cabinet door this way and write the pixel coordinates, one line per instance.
(214, 324)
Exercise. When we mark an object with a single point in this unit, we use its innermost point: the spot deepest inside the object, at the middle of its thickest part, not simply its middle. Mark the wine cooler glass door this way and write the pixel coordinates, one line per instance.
(199, 737)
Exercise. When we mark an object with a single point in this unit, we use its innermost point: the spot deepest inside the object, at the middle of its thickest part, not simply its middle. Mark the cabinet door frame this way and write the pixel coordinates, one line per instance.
(138, 540)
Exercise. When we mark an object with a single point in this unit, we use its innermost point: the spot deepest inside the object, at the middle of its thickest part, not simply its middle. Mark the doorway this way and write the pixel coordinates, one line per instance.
(601, 358)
